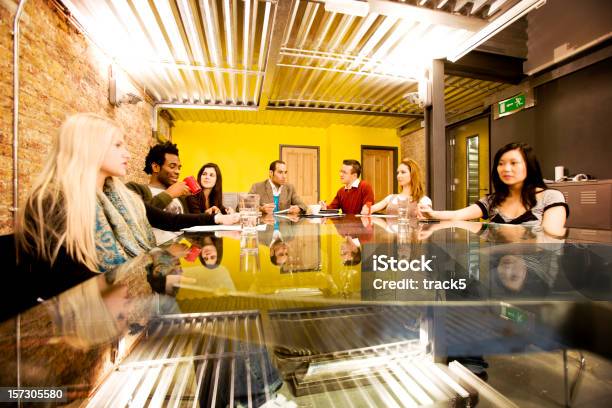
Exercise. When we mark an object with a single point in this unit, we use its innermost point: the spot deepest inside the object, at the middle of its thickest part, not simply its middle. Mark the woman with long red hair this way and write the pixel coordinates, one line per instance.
(410, 178)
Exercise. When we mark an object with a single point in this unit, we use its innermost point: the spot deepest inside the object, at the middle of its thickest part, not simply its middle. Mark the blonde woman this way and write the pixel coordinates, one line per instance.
(79, 212)
(410, 179)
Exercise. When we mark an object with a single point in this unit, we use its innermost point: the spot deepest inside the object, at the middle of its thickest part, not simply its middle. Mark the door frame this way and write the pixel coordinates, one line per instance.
(318, 149)
(449, 171)
(395, 161)
(467, 168)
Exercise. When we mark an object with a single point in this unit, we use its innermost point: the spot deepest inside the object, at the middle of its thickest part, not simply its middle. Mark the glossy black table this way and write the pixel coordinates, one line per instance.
(215, 317)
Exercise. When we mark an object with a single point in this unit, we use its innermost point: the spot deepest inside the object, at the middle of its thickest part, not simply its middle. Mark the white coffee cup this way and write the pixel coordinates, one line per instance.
(314, 208)
(559, 172)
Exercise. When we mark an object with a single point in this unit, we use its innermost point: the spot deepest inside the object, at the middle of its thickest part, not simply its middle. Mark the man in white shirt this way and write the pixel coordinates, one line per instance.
(164, 189)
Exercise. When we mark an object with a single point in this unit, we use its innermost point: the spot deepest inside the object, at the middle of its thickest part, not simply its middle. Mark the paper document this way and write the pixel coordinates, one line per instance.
(378, 215)
(209, 228)
(319, 215)
(288, 217)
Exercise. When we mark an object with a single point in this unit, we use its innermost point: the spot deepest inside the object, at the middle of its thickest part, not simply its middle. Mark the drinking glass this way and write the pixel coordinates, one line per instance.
(249, 253)
(403, 215)
(249, 211)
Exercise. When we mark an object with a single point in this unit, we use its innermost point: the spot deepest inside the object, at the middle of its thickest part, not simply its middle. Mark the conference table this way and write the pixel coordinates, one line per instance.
(321, 311)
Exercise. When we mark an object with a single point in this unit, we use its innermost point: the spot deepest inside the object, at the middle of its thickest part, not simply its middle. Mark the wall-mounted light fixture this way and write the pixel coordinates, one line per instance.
(120, 90)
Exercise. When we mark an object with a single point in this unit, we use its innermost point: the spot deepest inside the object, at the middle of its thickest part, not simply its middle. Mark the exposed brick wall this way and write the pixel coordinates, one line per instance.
(61, 73)
(413, 147)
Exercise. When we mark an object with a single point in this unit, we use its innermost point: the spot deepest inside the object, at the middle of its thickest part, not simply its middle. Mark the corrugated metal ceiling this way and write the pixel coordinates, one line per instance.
(288, 54)
(460, 95)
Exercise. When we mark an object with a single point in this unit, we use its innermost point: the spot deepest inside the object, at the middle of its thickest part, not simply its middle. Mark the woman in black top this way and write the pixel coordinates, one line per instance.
(520, 195)
(210, 199)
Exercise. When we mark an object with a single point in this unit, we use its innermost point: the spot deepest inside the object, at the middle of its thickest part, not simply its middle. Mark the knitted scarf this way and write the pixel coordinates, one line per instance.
(119, 236)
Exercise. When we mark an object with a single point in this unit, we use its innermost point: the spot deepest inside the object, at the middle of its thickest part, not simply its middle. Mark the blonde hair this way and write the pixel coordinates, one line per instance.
(60, 210)
(416, 179)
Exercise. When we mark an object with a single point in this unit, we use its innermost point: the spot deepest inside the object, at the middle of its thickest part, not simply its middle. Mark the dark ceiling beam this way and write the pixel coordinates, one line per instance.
(344, 111)
(488, 67)
(279, 25)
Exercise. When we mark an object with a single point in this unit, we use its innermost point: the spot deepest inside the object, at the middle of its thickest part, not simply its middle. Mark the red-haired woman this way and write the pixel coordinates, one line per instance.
(410, 179)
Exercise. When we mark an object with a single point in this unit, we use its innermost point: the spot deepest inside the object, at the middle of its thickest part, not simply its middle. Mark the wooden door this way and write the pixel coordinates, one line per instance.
(468, 163)
(379, 165)
(303, 170)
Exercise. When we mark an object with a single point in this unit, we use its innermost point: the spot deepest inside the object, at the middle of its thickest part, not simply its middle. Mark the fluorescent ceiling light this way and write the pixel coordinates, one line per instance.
(425, 15)
(350, 7)
(404, 11)
(497, 25)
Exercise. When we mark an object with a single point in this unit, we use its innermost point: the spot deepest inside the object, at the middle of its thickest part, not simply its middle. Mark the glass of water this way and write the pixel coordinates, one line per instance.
(249, 211)
(403, 215)
(249, 253)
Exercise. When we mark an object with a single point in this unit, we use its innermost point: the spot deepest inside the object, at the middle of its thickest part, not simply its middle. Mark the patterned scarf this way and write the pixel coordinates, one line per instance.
(119, 237)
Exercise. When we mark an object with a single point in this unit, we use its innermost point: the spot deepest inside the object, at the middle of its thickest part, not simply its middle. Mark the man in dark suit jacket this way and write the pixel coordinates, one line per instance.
(275, 194)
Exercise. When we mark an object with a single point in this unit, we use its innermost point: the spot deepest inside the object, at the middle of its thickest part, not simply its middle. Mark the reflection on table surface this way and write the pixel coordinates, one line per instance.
(306, 302)
(333, 259)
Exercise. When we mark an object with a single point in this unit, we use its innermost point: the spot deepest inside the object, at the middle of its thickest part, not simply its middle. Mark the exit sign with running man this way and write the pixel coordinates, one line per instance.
(511, 105)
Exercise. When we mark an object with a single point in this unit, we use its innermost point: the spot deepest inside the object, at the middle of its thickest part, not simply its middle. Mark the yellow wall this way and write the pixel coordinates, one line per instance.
(244, 151)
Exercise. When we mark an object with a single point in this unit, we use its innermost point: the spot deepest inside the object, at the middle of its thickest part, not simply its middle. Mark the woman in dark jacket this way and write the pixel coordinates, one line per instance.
(210, 199)
(79, 217)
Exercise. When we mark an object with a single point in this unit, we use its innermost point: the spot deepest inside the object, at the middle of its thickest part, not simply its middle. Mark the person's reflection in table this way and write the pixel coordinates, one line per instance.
(66, 339)
(214, 278)
(350, 254)
(503, 234)
(279, 252)
(350, 251)
(166, 275)
(90, 314)
(166, 271)
(362, 230)
(512, 272)
(211, 254)
(522, 275)
(66, 335)
(278, 229)
(524, 260)
(353, 236)
(277, 239)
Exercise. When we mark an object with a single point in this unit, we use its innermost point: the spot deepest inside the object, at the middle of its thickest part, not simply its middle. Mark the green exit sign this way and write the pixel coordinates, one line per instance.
(510, 105)
(516, 314)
